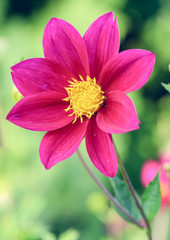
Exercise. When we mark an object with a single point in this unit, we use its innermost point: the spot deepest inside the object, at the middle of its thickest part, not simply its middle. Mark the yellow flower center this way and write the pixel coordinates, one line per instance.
(85, 96)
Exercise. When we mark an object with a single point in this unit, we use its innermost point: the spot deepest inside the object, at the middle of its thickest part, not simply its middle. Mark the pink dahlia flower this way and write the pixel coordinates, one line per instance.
(148, 172)
(79, 90)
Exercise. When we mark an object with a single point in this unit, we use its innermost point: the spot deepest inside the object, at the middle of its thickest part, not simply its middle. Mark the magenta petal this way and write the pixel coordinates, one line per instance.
(100, 149)
(62, 143)
(40, 75)
(127, 71)
(148, 172)
(62, 43)
(102, 40)
(41, 112)
(118, 115)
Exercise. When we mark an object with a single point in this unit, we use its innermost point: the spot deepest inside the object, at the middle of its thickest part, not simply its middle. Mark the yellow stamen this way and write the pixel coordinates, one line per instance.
(85, 96)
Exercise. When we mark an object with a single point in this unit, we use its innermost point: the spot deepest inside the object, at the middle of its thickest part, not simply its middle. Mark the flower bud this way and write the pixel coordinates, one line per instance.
(16, 95)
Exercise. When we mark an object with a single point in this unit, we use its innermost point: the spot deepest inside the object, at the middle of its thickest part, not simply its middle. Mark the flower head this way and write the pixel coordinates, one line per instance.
(150, 169)
(79, 90)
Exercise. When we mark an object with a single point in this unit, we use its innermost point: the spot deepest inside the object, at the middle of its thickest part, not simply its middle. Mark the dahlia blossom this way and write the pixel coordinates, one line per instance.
(150, 169)
(79, 90)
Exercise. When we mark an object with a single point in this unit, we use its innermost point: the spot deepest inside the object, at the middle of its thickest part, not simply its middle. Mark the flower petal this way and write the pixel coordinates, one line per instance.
(165, 187)
(41, 112)
(148, 172)
(39, 75)
(118, 115)
(100, 149)
(62, 143)
(102, 40)
(62, 43)
(127, 71)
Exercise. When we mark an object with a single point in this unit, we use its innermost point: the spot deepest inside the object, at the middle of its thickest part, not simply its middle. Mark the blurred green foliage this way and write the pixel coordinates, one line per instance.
(36, 204)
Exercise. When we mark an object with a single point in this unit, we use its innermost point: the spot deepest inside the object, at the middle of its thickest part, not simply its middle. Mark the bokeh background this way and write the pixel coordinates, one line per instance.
(64, 203)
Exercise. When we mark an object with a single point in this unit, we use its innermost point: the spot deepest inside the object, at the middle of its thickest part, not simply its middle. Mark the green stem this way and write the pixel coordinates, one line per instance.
(107, 193)
(132, 190)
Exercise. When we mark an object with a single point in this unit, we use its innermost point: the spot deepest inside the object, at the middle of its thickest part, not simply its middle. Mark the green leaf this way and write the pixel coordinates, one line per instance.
(151, 198)
(124, 197)
(166, 86)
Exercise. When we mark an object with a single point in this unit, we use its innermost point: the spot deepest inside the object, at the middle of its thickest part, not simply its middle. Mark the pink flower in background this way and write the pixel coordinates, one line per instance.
(79, 90)
(148, 172)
